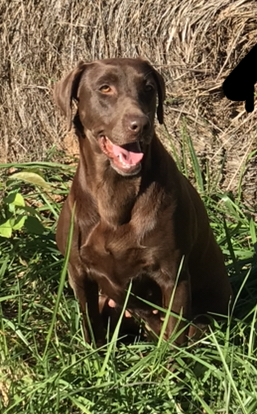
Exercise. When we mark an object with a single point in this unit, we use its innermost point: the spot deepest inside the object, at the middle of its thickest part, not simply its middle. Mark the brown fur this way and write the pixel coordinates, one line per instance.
(138, 225)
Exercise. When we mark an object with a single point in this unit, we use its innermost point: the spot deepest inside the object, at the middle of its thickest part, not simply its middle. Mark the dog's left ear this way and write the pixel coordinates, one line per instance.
(161, 94)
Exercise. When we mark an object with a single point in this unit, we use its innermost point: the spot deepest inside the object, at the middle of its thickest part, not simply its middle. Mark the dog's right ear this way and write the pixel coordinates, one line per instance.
(66, 90)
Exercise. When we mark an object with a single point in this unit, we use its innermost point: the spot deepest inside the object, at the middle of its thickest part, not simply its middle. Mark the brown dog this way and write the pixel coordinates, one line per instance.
(136, 215)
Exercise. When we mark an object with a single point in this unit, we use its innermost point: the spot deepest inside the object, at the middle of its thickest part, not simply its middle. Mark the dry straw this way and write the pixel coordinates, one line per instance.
(194, 43)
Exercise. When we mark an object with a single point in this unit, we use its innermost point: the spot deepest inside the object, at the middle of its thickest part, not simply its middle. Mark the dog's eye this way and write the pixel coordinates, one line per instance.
(105, 89)
(149, 87)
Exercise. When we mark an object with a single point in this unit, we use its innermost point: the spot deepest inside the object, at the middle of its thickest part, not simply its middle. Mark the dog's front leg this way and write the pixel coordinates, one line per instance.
(181, 306)
(86, 292)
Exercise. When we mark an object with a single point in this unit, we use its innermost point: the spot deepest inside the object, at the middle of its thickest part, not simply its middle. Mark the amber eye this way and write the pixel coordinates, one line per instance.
(105, 89)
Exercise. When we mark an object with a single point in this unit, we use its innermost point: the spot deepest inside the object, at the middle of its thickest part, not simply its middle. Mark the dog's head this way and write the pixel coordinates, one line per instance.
(116, 101)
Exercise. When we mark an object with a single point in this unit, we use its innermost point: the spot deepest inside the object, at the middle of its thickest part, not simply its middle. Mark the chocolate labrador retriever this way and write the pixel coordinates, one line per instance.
(137, 218)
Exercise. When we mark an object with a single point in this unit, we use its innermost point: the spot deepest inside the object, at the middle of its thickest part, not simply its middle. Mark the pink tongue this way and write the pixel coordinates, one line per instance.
(127, 157)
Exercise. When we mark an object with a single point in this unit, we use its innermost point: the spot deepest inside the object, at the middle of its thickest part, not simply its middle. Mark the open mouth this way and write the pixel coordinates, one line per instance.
(126, 159)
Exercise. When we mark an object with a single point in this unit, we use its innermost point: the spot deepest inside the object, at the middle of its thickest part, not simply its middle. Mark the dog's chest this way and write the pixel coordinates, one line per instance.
(120, 254)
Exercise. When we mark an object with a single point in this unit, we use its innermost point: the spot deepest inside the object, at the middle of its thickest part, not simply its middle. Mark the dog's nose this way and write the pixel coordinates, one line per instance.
(138, 124)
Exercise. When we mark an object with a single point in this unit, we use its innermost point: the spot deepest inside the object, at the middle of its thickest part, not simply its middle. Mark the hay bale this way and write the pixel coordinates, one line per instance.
(195, 44)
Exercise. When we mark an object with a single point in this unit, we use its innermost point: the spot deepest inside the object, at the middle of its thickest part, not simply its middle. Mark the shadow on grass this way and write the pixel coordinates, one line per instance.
(245, 282)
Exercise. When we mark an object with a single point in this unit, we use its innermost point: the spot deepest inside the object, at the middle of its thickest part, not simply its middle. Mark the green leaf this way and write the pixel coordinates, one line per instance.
(14, 199)
(19, 200)
(6, 229)
(34, 226)
(11, 208)
(19, 222)
(253, 231)
(31, 178)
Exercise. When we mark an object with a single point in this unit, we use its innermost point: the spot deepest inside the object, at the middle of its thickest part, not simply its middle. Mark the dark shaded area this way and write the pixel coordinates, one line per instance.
(246, 274)
(239, 85)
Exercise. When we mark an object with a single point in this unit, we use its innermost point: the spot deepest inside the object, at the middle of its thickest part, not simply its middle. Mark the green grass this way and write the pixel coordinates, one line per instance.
(45, 366)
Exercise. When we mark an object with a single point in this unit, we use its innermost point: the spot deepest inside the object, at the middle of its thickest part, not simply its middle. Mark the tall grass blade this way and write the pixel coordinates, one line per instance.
(251, 155)
(114, 337)
(253, 234)
(230, 247)
(252, 336)
(62, 281)
(239, 291)
(167, 316)
(194, 159)
(229, 374)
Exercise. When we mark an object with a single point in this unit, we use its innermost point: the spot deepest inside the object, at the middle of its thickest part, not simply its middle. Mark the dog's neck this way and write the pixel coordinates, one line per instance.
(115, 195)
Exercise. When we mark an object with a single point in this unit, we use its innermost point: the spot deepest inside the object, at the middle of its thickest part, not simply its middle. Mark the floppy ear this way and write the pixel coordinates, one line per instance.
(66, 90)
(161, 94)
